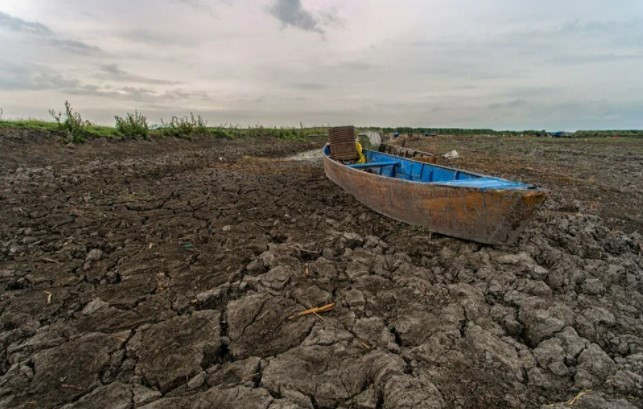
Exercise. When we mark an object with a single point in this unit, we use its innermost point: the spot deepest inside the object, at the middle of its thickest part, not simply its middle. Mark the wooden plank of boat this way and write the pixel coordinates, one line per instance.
(408, 153)
(445, 200)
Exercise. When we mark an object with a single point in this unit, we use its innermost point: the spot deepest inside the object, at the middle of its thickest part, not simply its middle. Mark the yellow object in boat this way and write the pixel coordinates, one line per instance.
(362, 158)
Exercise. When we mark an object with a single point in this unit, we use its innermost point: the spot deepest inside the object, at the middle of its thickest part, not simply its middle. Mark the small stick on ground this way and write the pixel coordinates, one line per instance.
(50, 260)
(316, 310)
(304, 250)
(319, 316)
(573, 401)
(364, 344)
(66, 385)
(48, 297)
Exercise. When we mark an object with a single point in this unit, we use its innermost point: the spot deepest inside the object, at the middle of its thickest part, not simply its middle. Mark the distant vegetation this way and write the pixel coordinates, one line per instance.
(132, 125)
(184, 127)
(530, 132)
(70, 124)
(626, 132)
(74, 129)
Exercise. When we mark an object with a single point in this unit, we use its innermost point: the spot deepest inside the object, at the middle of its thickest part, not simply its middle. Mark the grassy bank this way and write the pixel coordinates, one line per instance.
(89, 131)
(73, 129)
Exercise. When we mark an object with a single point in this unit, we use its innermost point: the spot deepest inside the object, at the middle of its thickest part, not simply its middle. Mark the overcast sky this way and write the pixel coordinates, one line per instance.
(504, 64)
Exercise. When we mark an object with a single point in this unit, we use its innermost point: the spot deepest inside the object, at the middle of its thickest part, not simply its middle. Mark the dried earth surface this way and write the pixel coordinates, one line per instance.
(163, 274)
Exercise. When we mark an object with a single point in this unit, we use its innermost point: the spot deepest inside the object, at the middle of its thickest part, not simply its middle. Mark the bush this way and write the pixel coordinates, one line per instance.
(132, 126)
(71, 123)
(184, 127)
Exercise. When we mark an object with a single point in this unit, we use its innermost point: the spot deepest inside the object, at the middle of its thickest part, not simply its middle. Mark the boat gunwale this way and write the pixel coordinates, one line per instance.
(527, 187)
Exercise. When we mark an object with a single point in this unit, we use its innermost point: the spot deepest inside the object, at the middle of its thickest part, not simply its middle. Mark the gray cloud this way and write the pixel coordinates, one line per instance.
(197, 5)
(291, 13)
(20, 25)
(73, 46)
(28, 77)
(138, 94)
(114, 72)
(156, 38)
(571, 59)
(309, 86)
(40, 30)
(600, 27)
(31, 77)
(508, 104)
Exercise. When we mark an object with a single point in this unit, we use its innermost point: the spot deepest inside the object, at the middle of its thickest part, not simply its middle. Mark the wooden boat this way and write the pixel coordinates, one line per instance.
(445, 200)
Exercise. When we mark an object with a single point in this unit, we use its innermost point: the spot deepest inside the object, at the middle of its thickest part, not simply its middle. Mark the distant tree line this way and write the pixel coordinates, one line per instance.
(530, 132)
(625, 132)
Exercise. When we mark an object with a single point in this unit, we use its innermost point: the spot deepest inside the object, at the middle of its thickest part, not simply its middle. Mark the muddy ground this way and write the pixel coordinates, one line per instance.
(163, 275)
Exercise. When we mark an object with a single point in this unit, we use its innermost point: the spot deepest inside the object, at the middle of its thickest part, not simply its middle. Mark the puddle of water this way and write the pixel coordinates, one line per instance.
(312, 155)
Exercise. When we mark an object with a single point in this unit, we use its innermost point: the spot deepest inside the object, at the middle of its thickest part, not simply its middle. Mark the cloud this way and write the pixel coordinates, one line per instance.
(26, 77)
(197, 5)
(23, 26)
(114, 72)
(291, 13)
(138, 94)
(308, 86)
(40, 30)
(571, 59)
(494, 63)
(156, 37)
(515, 103)
(74, 46)
(599, 27)
(37, 78)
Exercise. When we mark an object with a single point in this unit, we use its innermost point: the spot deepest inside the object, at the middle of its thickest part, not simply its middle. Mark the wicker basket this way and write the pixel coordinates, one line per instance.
(342, 143)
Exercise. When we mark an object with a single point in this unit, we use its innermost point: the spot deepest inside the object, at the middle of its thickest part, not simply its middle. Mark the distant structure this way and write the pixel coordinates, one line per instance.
(370, 139)
(559, 134)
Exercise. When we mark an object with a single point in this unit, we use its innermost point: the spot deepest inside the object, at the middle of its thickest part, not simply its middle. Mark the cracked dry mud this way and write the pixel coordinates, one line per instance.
(162, 275)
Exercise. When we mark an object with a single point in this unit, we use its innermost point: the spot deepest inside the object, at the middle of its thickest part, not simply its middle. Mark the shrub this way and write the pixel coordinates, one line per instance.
(184, 127)
(221, 133)
(132, 126)
(71, 123)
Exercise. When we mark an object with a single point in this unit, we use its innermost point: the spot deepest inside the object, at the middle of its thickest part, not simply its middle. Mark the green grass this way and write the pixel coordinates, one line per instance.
(186, 128)
(29, 124)
(293, 134)
(160, 131)
(97, 131)
(70, 125)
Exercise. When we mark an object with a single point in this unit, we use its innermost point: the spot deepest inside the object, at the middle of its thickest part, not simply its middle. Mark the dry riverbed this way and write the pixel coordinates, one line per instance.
(164, 274)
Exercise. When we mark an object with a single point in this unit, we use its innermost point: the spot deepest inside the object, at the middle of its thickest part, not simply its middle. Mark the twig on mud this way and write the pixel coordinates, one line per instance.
(577, 397)
(66, 385)
(363, 343)
(316, 311)
(319, 316)
(50, 260)
(48, 297)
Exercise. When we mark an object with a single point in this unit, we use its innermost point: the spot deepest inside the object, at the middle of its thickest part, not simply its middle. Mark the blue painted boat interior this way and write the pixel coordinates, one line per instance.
(396, 167)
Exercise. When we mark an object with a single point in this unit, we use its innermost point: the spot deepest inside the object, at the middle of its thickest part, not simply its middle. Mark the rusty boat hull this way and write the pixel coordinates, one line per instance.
(444, 200)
